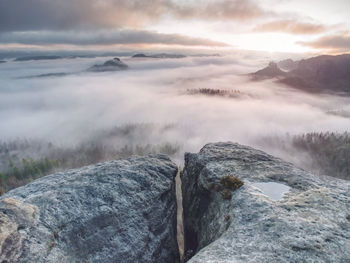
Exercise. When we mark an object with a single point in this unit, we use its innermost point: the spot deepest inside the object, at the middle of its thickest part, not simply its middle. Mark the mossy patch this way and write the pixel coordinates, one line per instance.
(231, 182)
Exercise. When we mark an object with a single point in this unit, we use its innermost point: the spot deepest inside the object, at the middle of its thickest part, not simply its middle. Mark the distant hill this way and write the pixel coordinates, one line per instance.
(161, 55)
(140, 56)
(47, 75)
(327, 74)
(114, 64)
(2, 61)
(37, 58)
(271, 71)
(288, 64)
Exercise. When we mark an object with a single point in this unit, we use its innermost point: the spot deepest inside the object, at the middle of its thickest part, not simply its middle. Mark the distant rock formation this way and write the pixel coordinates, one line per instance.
(271, 71)
(322, 74)
(47, 75)
(58, 74)
(2, 61)
(161, 55)
(288, 64)
(111, 65)
(119, 211)
(280, 214)
(140, 56)
(37, 58)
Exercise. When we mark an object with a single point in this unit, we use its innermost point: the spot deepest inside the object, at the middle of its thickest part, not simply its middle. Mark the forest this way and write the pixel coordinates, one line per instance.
(25, 160)
(322, 153)
(329, 152)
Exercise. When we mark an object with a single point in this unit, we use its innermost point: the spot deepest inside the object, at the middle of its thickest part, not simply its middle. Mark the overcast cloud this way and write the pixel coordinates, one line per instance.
(339, 42)
(292, 26)
(23, 15)
(103, 37)
(241, 24)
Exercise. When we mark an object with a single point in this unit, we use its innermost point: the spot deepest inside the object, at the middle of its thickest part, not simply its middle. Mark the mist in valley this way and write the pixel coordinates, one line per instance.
(156, 106)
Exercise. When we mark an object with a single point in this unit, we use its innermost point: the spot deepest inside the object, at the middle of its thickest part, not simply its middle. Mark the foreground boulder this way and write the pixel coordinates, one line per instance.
(310, 222)
(119, 211)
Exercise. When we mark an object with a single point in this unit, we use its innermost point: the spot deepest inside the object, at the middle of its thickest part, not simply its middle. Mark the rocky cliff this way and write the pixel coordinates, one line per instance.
(240, 205)
(280, 214)
(321, 74)
(119, 211)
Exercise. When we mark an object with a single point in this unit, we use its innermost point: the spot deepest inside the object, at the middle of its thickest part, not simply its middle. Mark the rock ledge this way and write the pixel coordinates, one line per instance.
(311, 223)
(119, 211)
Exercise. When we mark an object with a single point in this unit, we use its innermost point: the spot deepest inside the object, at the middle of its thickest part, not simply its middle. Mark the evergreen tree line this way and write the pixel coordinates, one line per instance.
(25, 171)
(329, 151)
(16, 170)
(322, 153)
(215, 92)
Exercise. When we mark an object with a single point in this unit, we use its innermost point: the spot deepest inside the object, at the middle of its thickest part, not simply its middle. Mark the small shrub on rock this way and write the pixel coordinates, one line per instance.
(231, 182)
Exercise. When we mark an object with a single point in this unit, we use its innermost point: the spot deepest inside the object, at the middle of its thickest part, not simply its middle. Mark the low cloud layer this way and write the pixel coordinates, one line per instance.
(71, 109)
(292, 27)
(103, 37)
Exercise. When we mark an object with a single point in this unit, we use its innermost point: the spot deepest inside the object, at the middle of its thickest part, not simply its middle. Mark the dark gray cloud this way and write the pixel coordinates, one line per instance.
(291, 27)
(102, 37)
(339, 43)
(26, 15)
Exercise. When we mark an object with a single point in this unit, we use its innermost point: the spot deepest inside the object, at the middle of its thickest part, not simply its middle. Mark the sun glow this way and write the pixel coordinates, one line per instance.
(265, 42)
(270, 42)
(242, 40)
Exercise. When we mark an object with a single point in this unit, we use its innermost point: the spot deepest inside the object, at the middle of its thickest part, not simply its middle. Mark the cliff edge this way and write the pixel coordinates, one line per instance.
(118, 211)
(279, 214)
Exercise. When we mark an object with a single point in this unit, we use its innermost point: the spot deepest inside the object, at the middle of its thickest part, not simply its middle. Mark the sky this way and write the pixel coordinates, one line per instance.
(297, 26)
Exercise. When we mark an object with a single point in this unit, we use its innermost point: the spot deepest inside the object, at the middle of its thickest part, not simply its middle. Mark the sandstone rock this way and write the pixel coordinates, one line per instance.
(310, 223)
(118, 211)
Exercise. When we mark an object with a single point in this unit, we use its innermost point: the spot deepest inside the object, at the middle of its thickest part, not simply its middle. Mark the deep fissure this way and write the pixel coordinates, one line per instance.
(179, 227)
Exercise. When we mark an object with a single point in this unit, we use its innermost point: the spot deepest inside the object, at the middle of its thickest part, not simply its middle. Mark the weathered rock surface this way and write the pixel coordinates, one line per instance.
(110, 65)
(119, 211)
(311, 223)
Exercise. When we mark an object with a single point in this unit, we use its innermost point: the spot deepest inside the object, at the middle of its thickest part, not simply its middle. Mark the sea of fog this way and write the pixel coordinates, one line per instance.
(79, 107)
